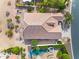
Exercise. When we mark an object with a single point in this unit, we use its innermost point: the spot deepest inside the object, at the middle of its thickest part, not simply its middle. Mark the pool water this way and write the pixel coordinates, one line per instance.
(39, 52)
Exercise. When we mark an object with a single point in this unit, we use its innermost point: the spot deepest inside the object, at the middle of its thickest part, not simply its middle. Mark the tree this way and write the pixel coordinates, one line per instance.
(65, 56)
(30, 9)
(15, 50)
(59, 42)
(23, 56)
(52, 3)
(68, 18)
(10, 26)
(44, 3)
(58, 4)
(9, 20)
(9, 33)
(16, 27)
(34, 42)
(17, 18)
(42, 9)
(61, 5)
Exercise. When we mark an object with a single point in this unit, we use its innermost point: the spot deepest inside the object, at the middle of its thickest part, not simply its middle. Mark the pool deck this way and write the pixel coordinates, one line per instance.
(46, 56)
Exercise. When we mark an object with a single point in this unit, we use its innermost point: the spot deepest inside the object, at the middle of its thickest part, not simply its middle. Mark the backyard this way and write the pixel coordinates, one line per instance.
(56, 51)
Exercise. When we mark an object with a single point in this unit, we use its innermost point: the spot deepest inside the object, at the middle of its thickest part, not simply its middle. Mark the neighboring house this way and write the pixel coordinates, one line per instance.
(27, 0)
(43, 27)
(32, 0)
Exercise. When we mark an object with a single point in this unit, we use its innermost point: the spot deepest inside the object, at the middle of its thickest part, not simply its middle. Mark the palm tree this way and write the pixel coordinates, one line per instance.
(16, 27)
(34, 42)
(68, 18)
(17, 18)
(9, 33)
(9, 20)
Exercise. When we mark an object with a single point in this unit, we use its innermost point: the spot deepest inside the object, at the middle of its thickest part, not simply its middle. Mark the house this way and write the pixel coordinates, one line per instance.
(32, 0)
(43, 27)
(26, 0)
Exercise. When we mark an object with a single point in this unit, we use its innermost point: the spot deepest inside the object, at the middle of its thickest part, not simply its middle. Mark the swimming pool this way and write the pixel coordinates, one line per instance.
(35, 52)
(38, 52)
